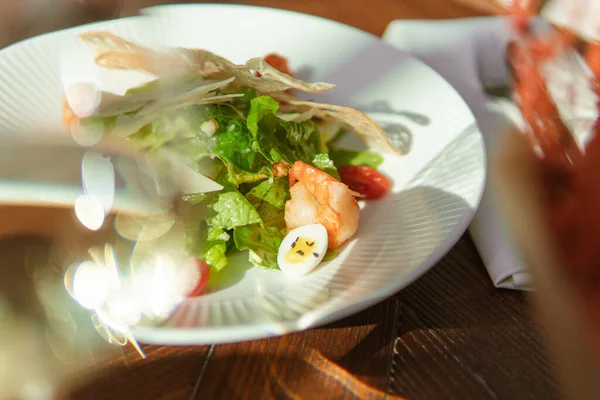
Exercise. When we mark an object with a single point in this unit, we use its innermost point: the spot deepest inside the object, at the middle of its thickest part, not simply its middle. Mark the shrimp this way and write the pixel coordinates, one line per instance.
(318, 198)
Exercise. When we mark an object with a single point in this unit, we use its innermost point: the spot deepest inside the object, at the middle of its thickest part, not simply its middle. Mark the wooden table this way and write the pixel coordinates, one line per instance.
(450, 335)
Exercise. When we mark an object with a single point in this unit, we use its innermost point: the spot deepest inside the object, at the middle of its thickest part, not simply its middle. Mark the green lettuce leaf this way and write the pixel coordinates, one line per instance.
(207, 243)
(259, 107)
(196, 198)
(263, 239)
(98, 124)
(231, 210)
(273, 192)
(216, 248)
(280, 140)
(263, 244)
(236, 147)
(324, 163)
(342, 157)
(243, 103)
(330, 255)
(269, 198)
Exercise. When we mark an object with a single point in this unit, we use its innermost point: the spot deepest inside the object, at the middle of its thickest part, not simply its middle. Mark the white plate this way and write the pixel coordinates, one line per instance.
(437, 185)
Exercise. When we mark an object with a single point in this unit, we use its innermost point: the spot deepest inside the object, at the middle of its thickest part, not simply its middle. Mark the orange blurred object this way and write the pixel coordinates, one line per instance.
(570, 174)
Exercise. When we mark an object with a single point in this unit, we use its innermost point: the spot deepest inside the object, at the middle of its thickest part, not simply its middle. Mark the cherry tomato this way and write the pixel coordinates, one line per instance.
(364, 180)
(279, 63)
(204, 271)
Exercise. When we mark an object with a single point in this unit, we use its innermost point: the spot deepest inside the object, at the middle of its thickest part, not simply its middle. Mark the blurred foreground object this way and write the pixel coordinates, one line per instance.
(93, 244)
(563, 129)
(548, 178)
(571, 337)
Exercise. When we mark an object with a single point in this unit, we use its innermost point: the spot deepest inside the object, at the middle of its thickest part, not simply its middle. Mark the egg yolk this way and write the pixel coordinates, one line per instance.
(301, 250)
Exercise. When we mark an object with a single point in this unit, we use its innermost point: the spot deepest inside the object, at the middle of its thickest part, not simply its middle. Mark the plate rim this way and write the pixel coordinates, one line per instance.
(258, 330)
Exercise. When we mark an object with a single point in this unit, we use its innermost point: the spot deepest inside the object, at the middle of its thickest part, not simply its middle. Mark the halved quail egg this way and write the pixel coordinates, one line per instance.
(302, 250)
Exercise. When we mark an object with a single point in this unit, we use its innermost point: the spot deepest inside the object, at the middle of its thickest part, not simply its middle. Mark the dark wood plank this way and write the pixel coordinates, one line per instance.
(346, 360)
(168, 373)
(460, 338)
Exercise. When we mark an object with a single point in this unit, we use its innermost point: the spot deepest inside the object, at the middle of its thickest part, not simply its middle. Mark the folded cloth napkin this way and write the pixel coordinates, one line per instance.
(469, 53)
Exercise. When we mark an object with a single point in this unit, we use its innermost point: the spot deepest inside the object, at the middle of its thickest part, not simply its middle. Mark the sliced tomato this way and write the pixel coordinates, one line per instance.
(204, 271)
(366, 181)
(279, 63)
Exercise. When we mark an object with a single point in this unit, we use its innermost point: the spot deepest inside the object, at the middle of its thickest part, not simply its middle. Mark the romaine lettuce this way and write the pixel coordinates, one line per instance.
(263, 239)
(215, 248)
(274, 192)
(236, 146)
(342, 157)
(232, 209)
(263, 244)
(280, 140)
(324, 163)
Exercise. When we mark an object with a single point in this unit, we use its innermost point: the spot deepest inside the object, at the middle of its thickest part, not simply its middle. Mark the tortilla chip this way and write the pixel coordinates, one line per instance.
(297, 116)
(103, 41)
(117, 53)
(136, 61)
(269, 72)
(284, 98)
(367, 130)
(271, 81)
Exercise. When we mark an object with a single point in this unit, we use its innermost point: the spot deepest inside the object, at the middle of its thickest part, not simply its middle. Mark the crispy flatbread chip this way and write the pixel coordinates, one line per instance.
(103, 41)
(269, 72)
(367, 130)
(116, 53)
(297, 116)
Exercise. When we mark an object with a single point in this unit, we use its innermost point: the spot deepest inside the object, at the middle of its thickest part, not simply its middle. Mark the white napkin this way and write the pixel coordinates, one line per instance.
(469, 53)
